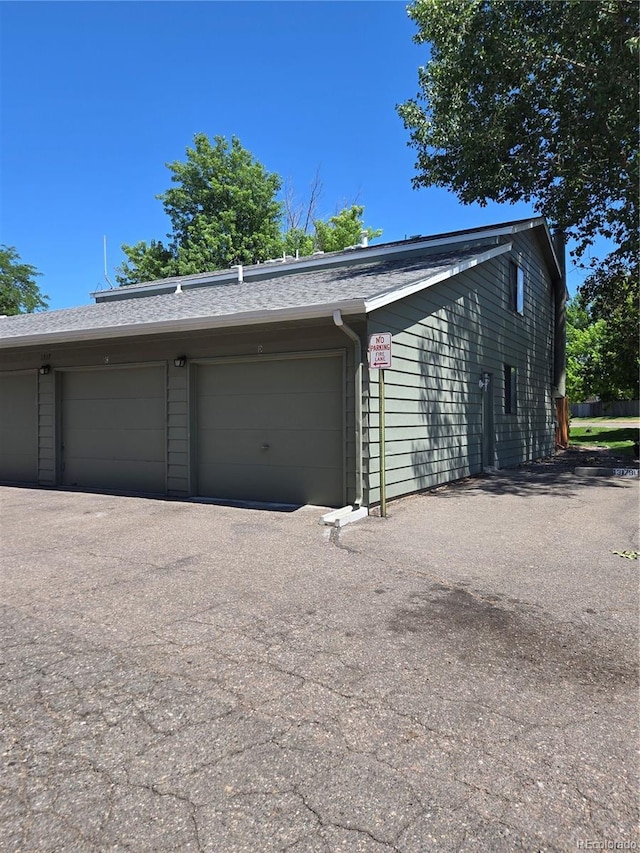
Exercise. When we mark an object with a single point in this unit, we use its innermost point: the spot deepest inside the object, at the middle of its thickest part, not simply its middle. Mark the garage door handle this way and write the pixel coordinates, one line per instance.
(264, 447)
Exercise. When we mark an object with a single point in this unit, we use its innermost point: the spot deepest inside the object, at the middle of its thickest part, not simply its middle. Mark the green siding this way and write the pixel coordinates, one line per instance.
(46, 429)
(444, 339)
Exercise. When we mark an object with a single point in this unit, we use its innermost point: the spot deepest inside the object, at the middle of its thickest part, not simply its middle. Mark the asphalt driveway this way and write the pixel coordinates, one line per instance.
(459, 676)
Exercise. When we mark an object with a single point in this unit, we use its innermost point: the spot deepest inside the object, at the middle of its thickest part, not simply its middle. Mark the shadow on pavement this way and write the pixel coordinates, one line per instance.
(553, 477)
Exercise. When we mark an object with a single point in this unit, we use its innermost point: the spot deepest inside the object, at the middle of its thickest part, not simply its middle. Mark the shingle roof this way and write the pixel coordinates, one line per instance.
(313, 289)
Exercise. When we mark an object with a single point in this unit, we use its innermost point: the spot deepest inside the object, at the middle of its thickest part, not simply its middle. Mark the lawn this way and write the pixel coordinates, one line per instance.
(618, 439)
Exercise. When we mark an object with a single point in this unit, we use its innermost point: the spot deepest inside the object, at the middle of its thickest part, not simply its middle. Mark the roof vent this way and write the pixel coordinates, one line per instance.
(364, 239)
(240, 273)
(178, 288)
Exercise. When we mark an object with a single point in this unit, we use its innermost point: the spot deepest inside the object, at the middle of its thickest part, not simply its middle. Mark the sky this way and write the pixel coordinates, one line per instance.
(97, 97)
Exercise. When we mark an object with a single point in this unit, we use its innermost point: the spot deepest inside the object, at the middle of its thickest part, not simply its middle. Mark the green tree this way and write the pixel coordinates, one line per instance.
(331, 235)
(223, 211)
(534, 101)
(602, 344)
(611, 297)
(584, 352)
(342, 230)
(19, 293)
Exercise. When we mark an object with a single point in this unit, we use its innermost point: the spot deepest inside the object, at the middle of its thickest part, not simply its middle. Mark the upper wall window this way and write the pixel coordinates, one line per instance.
(516, 287)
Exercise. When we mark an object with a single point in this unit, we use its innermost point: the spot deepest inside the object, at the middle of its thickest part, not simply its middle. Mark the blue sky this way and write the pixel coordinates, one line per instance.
(97, 97)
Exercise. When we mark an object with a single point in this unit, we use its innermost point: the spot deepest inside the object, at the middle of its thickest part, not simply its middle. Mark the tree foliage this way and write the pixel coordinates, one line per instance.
(224, 210)
(344, 229)
(611, 297)
(533, 101)
(602, 344)
(19, 293)
(584, 353)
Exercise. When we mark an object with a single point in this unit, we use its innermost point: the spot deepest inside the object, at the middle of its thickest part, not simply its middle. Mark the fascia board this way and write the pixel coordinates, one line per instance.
(409, 289)
(192, 324)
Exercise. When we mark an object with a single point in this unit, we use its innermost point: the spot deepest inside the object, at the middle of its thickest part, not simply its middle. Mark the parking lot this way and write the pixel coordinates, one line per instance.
(461, 675)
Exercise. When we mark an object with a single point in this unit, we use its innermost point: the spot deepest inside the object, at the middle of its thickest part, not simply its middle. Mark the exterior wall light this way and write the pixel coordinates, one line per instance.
(45, 369)
(180, 360)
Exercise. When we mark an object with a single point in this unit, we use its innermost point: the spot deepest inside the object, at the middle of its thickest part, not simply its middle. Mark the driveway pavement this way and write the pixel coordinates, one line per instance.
(459, 676)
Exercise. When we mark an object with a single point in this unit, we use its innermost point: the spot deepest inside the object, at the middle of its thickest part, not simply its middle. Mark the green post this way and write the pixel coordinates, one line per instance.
(383, 497)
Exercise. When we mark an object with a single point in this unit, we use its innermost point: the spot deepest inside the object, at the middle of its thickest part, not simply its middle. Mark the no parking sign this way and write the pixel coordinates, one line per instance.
(380, 350)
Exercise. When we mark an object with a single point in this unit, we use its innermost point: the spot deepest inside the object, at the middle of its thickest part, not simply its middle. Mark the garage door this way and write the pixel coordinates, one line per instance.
(271, 430)
(113, 429)
(19, 427)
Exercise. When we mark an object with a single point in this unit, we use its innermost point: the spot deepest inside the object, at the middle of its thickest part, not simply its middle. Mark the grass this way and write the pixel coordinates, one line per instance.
(622, 420)
(618, 439)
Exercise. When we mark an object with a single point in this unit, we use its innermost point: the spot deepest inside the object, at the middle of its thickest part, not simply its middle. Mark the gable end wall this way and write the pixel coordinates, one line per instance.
(444, 339)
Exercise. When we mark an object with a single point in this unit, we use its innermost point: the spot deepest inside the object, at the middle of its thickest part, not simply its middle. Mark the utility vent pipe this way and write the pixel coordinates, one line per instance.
(178, 288)
(364, 239)
(240, 274)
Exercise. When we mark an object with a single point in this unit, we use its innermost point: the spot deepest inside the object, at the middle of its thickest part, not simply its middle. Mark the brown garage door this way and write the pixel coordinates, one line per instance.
(19, 427)
(272, 430)
(113, 429)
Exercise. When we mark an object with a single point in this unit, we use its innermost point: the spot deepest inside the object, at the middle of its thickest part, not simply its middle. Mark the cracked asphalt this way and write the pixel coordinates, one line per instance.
(459, 676)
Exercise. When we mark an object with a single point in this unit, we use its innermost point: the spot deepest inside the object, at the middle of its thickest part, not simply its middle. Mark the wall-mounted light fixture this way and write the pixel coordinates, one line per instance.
(180, 360)
(44, 369)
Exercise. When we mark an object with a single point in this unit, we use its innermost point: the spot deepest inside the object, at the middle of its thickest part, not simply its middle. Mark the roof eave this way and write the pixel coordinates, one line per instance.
(191, 324)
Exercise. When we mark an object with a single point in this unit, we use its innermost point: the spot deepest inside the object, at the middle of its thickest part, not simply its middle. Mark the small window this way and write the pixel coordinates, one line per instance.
(510, 390)
(516, 286)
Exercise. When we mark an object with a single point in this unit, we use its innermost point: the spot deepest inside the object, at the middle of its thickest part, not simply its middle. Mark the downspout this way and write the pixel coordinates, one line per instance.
(560, 327)
(357, 351)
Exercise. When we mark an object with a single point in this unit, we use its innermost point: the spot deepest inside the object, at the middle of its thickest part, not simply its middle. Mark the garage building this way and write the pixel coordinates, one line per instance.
(253, 384)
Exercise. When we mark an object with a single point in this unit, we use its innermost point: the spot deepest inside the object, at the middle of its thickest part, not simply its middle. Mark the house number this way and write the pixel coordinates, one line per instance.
(260, 348)
(45, 356)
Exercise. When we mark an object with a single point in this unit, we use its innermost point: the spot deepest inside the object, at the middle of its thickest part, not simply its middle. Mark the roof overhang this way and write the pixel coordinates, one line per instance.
(348, 307)
(191, 324)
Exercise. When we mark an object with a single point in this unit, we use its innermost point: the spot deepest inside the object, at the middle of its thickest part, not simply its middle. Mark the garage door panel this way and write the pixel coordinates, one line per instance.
(285, 447)
(138, 413)
(19, 428)
(250, 378)
(113, 383)
(273, 411)
(17, 440)
(134, 476)
(114, 429)
(117, 445)
(272, 430)
(273, 484)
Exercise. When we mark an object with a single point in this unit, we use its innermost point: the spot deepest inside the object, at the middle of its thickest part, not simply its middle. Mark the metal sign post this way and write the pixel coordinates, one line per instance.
(383, 473)
(379, 358)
